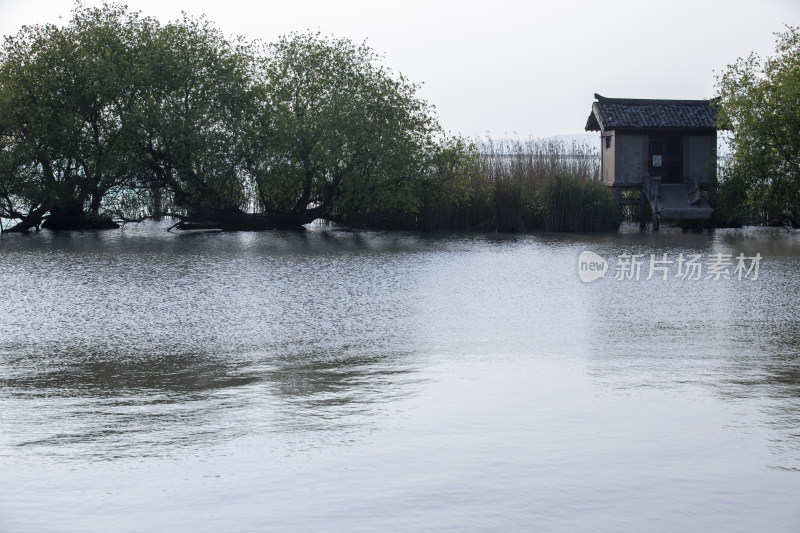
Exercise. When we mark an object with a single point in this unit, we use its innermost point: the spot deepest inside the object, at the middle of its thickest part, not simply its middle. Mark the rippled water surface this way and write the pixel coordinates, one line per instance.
(368, 381)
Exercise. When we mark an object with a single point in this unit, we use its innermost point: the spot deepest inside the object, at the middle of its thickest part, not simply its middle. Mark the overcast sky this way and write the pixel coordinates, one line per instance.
(505, 67)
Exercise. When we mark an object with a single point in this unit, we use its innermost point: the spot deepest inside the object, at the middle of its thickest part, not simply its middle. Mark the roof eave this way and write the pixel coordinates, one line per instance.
(594, 123)
(683, 129)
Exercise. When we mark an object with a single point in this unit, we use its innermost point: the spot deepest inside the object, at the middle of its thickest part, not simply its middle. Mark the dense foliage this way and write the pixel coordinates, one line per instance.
(116, 117)
(66, 99)
(760, 101)
(340, 133)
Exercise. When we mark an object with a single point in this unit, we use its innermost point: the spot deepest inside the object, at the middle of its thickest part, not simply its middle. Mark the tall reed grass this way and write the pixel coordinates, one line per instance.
(569, 203)
(519, 185)
(509, 185)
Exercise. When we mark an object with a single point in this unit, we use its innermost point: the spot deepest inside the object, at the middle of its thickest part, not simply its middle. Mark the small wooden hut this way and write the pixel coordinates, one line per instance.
(664, 148)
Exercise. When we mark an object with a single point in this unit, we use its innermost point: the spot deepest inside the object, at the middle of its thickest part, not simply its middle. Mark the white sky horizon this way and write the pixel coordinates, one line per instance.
(506, 68)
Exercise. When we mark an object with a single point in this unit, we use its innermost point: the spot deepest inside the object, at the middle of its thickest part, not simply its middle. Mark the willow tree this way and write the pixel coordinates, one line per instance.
(760, 101)
(198, 99)
(67, 96)
(339, 136)
(116, 115)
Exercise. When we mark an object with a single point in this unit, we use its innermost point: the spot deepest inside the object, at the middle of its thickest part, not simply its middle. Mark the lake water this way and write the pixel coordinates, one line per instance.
(369, 381)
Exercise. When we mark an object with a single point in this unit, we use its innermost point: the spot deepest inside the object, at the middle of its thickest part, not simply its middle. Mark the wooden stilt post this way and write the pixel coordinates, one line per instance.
(642, 208)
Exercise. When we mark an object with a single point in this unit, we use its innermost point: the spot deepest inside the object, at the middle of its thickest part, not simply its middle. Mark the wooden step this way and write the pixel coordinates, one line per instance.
(675, 203)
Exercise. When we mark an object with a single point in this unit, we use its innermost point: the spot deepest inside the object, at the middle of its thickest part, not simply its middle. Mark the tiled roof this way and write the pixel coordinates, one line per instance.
(630, 114)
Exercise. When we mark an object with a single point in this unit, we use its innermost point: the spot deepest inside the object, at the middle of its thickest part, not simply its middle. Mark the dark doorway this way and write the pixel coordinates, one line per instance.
(670, 150)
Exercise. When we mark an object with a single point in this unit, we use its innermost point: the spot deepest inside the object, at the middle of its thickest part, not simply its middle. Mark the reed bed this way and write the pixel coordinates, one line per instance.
(527, 185)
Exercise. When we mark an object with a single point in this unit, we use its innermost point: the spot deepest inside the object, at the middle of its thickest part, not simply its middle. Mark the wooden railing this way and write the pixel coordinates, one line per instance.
(651, 186)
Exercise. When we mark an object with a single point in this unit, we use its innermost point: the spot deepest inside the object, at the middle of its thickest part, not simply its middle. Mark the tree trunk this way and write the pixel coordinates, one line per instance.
(72, 217)
(238, 220)
(32, 220)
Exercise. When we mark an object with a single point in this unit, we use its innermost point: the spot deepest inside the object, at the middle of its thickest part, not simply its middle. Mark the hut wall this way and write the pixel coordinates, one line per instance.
(700, 157)
(630, 156)
(607, 154)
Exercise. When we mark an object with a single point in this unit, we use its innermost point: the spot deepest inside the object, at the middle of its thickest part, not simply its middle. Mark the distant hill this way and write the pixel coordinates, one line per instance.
(590, 139)
(593, 140)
